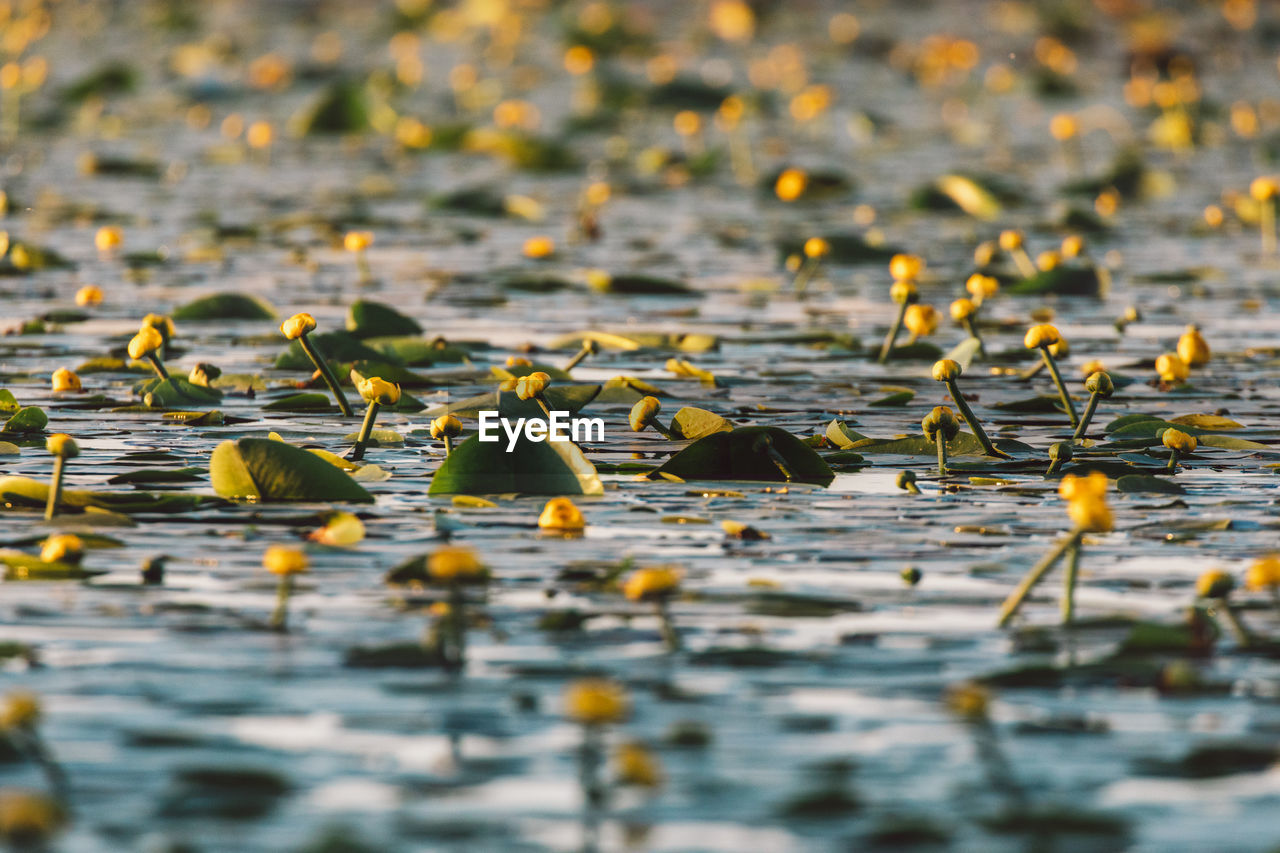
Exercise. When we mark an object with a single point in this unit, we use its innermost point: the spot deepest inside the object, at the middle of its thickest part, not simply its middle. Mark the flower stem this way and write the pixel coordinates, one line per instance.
(456, 658)
(779, 462)
(1267, 226)
(669, 635)
(327, 375)
(1089, 409)
(1062, 387)
(1242, 635)
(1173, 462)
(805, 274)
(1069, 583)
(969, 418)
(940, 440)
(159, 366)
(1023, 262)
(889, 340)
(1033, 577)
(55, 488)
(663, 431)
(448, 445)
(370, 414)
(542, 403)
(577, 358)
(972, 328)
(280, 616)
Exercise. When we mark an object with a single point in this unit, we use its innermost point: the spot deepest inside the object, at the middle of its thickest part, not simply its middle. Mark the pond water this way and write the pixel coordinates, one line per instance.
(805, 710)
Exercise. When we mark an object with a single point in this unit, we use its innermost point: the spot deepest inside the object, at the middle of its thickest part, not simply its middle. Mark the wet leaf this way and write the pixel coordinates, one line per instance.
(1063, 281)
(264, 470)
(1143, 483)
(23, 567)
(744, 454)
(1207, 422)
(563, 398)
(226, 306)
(341, 529)
(28, 419)
(368, 319)
(305, 402)
(533, 468)
(964, 444)
(965, 352)
(638, 284)
(693, 423)
(839, 434)
(897, 398)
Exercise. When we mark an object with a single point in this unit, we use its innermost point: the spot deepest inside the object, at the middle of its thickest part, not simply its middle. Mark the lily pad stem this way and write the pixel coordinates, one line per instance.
(1089, 409)
(1069, 583)
(969, 418)
(55, 488)
(327, 375)
(158, 365)
(1062, 388)
(1033, 577)
(370, 415)
(892, 337)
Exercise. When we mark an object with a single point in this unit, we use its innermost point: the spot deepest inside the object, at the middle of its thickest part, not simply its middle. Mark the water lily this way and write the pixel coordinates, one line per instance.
(376, 392)
(906, 481)
(815, 249)
(589, 347)
(1042, 337)
(940, 426)
(645, 414)
(1264, 191)
(89, 296)
(296, 328)
(108, 238)
(358, 243)
(965, 312)
(1089, 513)
(285, 563)
(1192, 347)
(1179, 444)
(904, 269)
(948, 371)
(1100, 387)
(921, 320)
(1265, 574)
(64, 380)
(532, 387)
(63, 447)
(1012, 243)
(446, 427)
(657, 585)
(791, 184)
(63, 548)
(1216, 586)
(562, 515)
(1172, 370)
(455, 568)
(1060, 453)
(146, 344)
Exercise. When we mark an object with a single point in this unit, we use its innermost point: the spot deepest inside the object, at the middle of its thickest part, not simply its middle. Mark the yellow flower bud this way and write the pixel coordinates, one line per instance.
(108, 237)
(1093, 366)
(161, 323)
(968, 700)
(906, 267)
(280, 560)
(1076, 488)
(1265, 188)
(1177, 440)
(636, 765)
(1011, 240)
(1063, 126)
(982, 286)
(89, 296)
(1264, 574)
(357, 241)
(1061, 349)
(595, 701)
(1215, 583)
(378, 390)
(146, 342)
(946, 370)
(298, 325)
(1048, 260)
(1091, 514)
(529, 387)
(61, 444)
(1192, 347)
(539, 248)
(791, 184)
(920, 320)
(1172, 369)
(21, 710)
(259, 135)
(1042, 335)
(902, 291)
(65, 380)
(644, 411)
(561, 514)
(455, 564)
(816, 247)
(28, 818)
(62, 548)
(962, 309)
(1073, 246)
(446, 426)
(645, 584)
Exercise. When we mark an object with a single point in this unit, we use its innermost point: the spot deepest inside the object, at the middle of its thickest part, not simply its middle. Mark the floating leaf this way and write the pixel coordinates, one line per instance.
(26, 492)
(306, 402)
(841, 436)
(342, 108)
(1209, 422)
(367, 319)
(1231, 442)
(1062, 280)
(8, 403)
(749, 453)
(639, 284)
(8, 448)
(843, 248)
(694, 423)
(26, 420)
(176, 391)
(418, 352)
(23, 567)
(341, 529)
(158, 475)
(918, 351)
(339, 346)
(964, 444)
(1144, 483)
(1044, 404)
(562, 398)
(897, 398)
(964, 352)
(265, 470)
(970, 196)
(533, 468)
(226, 306)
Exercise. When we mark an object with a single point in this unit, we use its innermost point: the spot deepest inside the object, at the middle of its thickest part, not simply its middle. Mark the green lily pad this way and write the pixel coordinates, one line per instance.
(562, 398)
(1144, 483)
(744, 454)
(839, 434)
(27, 419)
(368, 319)
(535, 468)
(964, 444)
(226, 306)
(29, 493)
(305, 402)
(964, 352)
(1063, 281)
(176, 391)
(418, 352)
(8, 403)
(1044, 404)
(335, 347)
(694, 423)
(342, 108)
(159, 475)
(918, 351)
(639, 284)
(845, 247)
(1231, 442)
(23, 567)
(897, 398)
(979, 197)
(264, 470)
